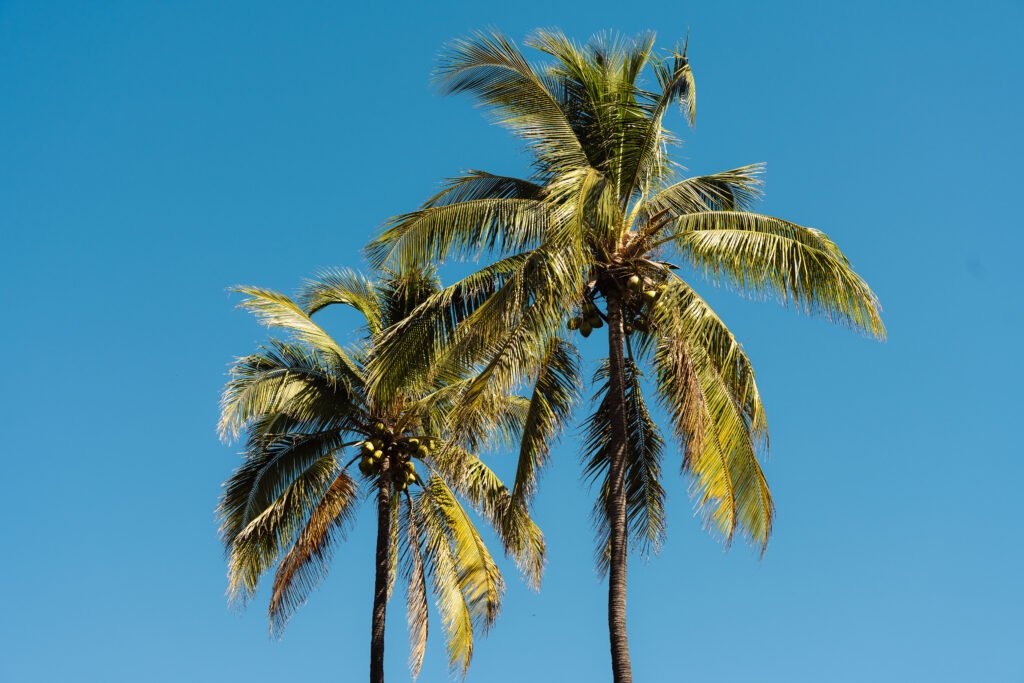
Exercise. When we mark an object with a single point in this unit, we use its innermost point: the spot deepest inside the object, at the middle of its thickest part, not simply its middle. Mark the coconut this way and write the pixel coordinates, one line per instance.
(379, 427)
(597, 322)
(585, 329)
(413, 442)
(650, 295)
(422, 451)
(378, 454)
(368, 447)
(633, 282)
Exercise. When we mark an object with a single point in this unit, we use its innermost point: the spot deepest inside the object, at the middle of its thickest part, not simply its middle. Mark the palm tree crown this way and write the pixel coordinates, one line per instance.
(596, 235)
(304, 400)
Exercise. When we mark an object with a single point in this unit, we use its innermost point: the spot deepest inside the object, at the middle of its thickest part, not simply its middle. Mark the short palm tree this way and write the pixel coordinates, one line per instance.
(588, 241)
(304, 401)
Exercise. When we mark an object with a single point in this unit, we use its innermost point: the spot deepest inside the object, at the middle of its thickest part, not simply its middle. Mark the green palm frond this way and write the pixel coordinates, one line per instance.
(556, 390)
(397, 532)
(282, 378)
(480, 582)
(735, 190)
(275, 310)
(768, 256)
(439, 559)
(645, 496)
(417, 609)
(510, 329)
(717, 438)
(342, 286)
(474, 185)
(306, 563)
(473, 227)
(521, 538)
(402, 292)
(683, 314)
(272, 463)
(642, 155)
(492, 69)
(258, 527)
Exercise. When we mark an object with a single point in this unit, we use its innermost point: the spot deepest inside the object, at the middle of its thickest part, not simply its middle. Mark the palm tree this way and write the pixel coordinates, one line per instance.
(303, 401)
(591, 240)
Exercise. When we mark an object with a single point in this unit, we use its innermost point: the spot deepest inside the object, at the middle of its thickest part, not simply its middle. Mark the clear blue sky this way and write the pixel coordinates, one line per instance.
(151, 154)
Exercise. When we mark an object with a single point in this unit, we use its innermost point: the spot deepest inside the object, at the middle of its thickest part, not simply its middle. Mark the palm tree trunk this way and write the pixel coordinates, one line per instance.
(621, 670)
(380, 590)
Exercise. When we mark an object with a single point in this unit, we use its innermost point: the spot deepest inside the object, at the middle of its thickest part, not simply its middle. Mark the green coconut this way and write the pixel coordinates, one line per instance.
(633, 282)
(650, 295)
(422, 451)
(378, 454)
(368, 447)
(413, 442)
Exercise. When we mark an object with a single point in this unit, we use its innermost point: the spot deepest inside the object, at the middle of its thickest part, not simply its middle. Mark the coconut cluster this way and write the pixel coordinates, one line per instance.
(588, 320)
(397, 450)
(644, 294)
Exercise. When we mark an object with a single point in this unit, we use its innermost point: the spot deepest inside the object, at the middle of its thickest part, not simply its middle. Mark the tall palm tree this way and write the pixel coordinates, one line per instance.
(310, 416)
(591, 240)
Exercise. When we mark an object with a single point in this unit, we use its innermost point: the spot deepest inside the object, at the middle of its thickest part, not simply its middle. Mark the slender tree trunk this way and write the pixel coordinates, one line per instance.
(380, 589)
(621, 670)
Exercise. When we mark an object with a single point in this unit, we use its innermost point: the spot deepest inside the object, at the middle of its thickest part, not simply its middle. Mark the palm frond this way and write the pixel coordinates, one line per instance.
(417, 611)
(473, 185)
(645, 495)
(275, 310)
(644, 139)
(306, 563)
(439, 559)
(255, 534)
(410, 348)
(733, 190)
(682, 314)
(465, 229)
(492, 69)
(768, 256)
(342, 286)
(282, 378)
(468, 476)
(480, 582)
(556, 390)
(717, 439)
(272, 464)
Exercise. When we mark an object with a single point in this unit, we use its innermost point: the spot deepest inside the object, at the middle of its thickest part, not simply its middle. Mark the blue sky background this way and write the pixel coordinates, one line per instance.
(151, 154)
